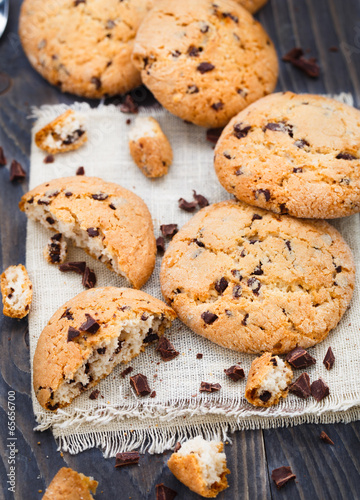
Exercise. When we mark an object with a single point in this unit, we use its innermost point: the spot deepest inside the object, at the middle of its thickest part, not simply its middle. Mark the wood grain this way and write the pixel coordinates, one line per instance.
(323, 471)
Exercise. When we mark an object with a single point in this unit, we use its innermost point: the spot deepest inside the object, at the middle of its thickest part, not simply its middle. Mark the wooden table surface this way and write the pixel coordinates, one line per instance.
(323, 471)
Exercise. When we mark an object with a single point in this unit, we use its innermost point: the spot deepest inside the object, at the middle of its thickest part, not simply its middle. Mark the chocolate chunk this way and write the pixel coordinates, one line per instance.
(324, 437)
(127, 458)
(3, 160)
(329, 359)
(264, 192)
(68, 194)
(177, 447)
(89, 278)
(101, 350)
(56, 237)
(301, 143)
(345, 156)
(282, 475)
(199, 243)
(258, 271)
(50, 220)
(255, 285)
(299, 358)
(221, 285)
(78, 2)
(166, 349)
(209, 317)
(217, 105)
(150, 337)
(17, 173)
(169, 229)
(280, 127)
(200, 200)
(72, 333)
(319, 389)
(90, 325)
(67, 314)
(188, 206)
(192, 89)
(96, 81)
(241, 130)
(237, 291)
(110, 24)
(236, 273)
(193, 51)
(80, 171)
(273, 361)
(239, 171)
(144, 316)
(153, 394)
(204, 28)
(235, 372)
(125, 372)
(176, 53)
(244, 321)
(199, 355)
(76, 267)
(92, 232)
(95, 394)
(164, 493)
(265, 396)
(209, 387)
(230, 16)
(297, 170)
(140, 384)
(213, 134)
(301, 386)
(256, 217)
(100, 196)
(160, 244)
(288, 244)
(49, 159)
(129, 105)
(296, 57)
(205, 67)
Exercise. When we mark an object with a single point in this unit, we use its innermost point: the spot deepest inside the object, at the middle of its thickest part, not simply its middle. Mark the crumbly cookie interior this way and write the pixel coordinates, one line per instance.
(17, 292)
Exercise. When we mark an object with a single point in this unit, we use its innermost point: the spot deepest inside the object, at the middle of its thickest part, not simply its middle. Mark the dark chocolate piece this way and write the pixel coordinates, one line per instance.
(264, 192)
(301, 386)
(265, 396)
(199, 243)
(192, 89)
(319, 389)
(221, 285)
(153, 394)
(144, 316)
(90, 325)
(129, 105)
(160, 244)
(101, 351)
(200, 200)
(50, 220)
(95, 394)
(235, 372)
(127, 458)
(96, 81)
(3, 160)
(282, 475)
(209, 387)
(150, 337)
(329, 359)
(166, 349)
(217, 105)
(67, 314)
(100, 196)
(255, 285)
(80, 171)
(89, 278)
(49, 159)
(164, 493)
(209, 317)
(301, 143)
(76, 267)
(169, 229)
(205, 67)
(140, 384)
(300, 358)
(17, 173)
(213, 134)
(125, 372)
(296, 57)
(345, 156)
(241, 130)
(199, 356)
(237, 291)
(72, 334)
(188, 206)
(92, 232)
(256, 217)
(324, 437)
(193, 51)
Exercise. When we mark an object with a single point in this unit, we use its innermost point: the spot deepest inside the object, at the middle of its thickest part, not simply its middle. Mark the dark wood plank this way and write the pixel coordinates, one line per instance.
(253, 454)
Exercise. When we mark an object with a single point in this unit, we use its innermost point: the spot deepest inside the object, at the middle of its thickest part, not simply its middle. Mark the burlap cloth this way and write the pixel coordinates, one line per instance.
(119, 420)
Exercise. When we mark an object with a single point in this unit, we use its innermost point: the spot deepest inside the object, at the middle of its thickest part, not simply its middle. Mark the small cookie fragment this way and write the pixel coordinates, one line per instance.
(201, 466)
(16, 289)
(65, 133)
(268, 380)
(69, 484)
(282, 475)
(56, 250)
(149, 147)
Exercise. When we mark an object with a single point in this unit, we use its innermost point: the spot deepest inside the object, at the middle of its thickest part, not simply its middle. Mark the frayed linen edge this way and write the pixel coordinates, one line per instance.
(156, 440)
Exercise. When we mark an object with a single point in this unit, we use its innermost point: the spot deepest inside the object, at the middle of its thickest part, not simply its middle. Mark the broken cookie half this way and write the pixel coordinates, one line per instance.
(111, 223)
(91, 334)
(66, 133)
(68, 484)
(201, 466)
(16, 290)
(268, 380)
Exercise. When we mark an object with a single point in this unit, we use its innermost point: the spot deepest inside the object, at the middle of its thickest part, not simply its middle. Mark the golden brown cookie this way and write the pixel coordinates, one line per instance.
(66, 133)
(255, 281)
(70, 485)
(83, 47)
(201, 466)
(252, 5)
(91, 334)
(149, 147)
(268, 380)
(295, 154)
(204, 61)
(111, 223)
(16, 290)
